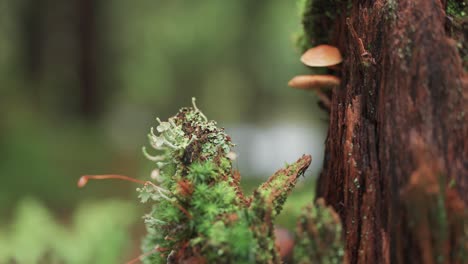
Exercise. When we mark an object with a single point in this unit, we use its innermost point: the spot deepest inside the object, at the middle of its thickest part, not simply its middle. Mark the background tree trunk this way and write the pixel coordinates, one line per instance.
(396, 161)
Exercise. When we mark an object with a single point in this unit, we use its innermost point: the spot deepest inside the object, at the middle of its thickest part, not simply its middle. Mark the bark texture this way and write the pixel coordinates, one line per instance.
(396, 162)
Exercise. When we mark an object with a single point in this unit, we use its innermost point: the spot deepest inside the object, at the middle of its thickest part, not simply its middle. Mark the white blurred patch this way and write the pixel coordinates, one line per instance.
(263, 150)
(232, 155)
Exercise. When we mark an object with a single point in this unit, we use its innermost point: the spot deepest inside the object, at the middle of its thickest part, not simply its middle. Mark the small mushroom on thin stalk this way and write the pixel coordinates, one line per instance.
(316, 83)
(322, 56)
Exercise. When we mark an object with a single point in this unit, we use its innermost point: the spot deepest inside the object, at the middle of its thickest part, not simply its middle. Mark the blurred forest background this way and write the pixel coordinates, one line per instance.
(82, 81)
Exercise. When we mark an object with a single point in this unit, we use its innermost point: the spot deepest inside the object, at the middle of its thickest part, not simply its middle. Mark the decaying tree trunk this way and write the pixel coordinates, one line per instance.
(396, 162)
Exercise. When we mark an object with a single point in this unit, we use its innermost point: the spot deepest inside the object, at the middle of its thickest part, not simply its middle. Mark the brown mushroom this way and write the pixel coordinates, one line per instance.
(314, 82)
(322, 56)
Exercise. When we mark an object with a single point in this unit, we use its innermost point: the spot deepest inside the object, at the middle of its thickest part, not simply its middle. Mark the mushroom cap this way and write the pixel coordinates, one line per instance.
(311, 82)
(321, 56)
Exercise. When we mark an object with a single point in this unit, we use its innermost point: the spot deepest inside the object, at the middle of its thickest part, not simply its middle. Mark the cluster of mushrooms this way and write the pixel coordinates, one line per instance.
(319, 56)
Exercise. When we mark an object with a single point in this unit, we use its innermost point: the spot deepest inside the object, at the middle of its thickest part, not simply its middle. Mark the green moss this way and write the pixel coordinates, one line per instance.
(457, 13)
(457, 9)
(198, 208)
(441, 225)
(390, 10)
(452, 183)
(317, 20)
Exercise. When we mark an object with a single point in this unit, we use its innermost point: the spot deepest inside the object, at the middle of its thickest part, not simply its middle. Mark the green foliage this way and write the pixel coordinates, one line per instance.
(319, 235)
(97, 235)
(457, 9)
(150, 53)
(199, 212)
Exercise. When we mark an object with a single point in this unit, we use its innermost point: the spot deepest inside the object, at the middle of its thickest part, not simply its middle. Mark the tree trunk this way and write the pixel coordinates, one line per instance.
(396, 161)
(87, 52)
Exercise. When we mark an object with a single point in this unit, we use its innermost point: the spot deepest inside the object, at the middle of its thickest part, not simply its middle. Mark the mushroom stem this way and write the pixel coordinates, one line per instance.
(324, 98)
(84, 179)
(336, 67)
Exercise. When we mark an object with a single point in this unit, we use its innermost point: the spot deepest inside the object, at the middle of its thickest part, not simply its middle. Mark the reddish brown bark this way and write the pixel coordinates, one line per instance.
(396, 162)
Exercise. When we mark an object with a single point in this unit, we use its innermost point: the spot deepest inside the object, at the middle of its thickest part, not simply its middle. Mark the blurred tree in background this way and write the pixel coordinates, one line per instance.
(82, 80)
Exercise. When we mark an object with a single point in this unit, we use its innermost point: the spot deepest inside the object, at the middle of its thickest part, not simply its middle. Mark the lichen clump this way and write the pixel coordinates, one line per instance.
(199, 213)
